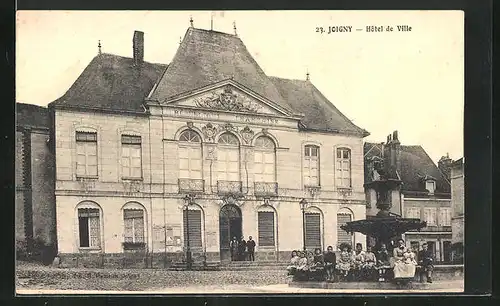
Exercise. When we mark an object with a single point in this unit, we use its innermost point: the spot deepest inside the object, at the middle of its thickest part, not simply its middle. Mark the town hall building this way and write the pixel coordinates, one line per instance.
(157, 159)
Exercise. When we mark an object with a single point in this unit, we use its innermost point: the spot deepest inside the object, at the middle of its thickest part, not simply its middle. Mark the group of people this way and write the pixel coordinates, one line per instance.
(242, 250)
(362, 265)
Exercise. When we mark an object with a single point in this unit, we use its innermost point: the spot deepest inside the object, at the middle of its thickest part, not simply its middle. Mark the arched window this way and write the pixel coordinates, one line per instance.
(313, 228)
(89, 225)
(343, 216)
(190, 156)
(266, 226)
(192, 224)
(343, 168)
(264, 160)
(311, 165)
(134, 220)
(228, 158)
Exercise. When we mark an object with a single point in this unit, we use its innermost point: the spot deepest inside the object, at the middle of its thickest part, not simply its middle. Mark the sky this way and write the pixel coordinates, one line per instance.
(411, 81)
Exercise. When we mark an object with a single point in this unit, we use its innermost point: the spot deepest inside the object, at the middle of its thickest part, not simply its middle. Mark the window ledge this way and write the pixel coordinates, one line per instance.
(312, 186)
(89, 249)
(128, 178)
(80, 176)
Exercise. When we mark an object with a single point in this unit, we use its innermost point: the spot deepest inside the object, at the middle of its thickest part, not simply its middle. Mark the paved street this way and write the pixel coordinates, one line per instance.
(451, 287)
(33, 279)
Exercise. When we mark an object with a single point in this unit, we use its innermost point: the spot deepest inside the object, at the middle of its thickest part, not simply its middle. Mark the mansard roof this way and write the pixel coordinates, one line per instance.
(112, 82)
(416, 166)
(207, 57)
(319, 113)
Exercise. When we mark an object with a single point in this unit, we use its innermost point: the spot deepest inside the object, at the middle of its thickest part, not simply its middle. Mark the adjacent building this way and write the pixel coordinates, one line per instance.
(425, 192)
(457, 201)
(155, 159)
(35, 180)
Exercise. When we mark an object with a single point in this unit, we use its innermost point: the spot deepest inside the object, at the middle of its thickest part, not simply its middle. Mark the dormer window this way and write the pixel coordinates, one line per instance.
(430, 185)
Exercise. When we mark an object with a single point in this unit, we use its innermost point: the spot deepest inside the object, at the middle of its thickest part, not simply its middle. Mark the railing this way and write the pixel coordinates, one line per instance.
(229, 187)
(265, 189)
(191, 185)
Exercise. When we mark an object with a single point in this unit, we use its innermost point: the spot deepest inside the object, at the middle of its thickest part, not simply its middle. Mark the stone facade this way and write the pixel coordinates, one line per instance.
(158, 189)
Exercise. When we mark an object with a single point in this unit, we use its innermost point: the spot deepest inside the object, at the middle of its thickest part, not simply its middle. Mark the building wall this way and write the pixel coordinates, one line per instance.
(439, 234)
(42, 169)
(158, 190)
(457, 199)
(20, 187)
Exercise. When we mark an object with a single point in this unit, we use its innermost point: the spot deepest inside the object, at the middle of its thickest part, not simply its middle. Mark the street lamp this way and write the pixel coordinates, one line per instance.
(303, 204)
(187, 201)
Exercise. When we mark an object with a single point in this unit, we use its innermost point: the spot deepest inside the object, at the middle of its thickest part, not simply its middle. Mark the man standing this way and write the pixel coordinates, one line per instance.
(233, 247)
(426, 262)
(242, 248)
(251, 248)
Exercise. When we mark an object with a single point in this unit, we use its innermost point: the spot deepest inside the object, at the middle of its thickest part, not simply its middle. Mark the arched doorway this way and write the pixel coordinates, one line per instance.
(229, 227)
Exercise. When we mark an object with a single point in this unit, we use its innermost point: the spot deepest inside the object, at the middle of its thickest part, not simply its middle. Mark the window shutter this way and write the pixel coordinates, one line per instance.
(313, 232)
(343, 236)
(194, 227)
(266, 228)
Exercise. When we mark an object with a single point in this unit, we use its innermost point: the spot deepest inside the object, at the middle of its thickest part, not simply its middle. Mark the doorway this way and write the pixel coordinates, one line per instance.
(229, 227)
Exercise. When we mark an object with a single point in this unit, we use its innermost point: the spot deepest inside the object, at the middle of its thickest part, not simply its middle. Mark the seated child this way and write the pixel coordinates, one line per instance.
(294, 263)
(330, 261)
(370, 259)
(383, 262)
(344, 263)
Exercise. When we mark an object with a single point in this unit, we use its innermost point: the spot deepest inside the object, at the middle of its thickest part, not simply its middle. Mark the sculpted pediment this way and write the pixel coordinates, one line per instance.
(230, 98)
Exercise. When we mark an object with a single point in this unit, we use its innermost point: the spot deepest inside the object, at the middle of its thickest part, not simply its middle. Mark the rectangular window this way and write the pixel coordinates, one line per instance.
(228, 164)
(86, 154)
(264, 166)
(134, 225)
(131, 156)
(311, 166)
(89, 227)
(192, 223)
(190, 161)
(266, 228)
(313, 231)
(413, 212)
(445, 216)
(430, 186)
(430, 216)
(343, 168)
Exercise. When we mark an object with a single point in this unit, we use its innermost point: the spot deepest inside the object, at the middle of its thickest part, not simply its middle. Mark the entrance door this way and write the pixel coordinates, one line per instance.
(229, 227)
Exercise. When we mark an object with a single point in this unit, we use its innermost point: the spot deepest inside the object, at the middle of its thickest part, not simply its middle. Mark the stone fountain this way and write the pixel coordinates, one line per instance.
(385, 227)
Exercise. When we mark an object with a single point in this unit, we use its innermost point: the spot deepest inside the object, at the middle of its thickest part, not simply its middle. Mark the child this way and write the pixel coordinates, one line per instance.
(330, 261)
(383, 262)
(294, 263)
(345, 261)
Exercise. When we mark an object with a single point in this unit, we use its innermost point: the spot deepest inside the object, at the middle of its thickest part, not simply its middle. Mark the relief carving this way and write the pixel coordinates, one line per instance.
(247, 135)
(228, 101)
(209, 131)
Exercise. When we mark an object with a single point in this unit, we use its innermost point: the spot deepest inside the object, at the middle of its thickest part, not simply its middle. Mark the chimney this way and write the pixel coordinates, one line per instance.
(396, 148)
(392, 154)
(138, 47)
